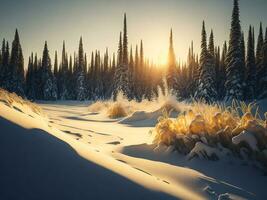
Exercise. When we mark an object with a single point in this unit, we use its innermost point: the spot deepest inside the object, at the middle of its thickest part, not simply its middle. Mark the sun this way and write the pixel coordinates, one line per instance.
(162, 59)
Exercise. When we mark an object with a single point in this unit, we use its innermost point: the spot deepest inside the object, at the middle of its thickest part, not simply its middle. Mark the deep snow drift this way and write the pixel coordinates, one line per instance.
(69, 151)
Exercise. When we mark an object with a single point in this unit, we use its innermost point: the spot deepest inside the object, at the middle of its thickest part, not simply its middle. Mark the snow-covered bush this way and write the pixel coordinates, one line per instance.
(116, 111)
(156, 107)
(204, 126)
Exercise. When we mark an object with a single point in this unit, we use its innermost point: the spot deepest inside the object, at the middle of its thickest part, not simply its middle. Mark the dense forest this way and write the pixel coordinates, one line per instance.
(237, 70)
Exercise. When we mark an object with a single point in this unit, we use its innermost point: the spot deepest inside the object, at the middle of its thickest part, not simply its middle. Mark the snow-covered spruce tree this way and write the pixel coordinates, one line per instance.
(190, 66)
(212, 51)
(49, 87)
(5, 72)
(117, 76)
(71, 80)
(250, 68)
(3, 49)
(30, 80)
(171, 69)
(120, 81)
(55, 65)
(234, 84)
(37, 78)
(206, 87)
(131, 76)
(217, 57)
(17, 80)
(243, 61)
(90, 83)
(94, 76)
(80, 76)
(259, 46)
(263, 71)
(136, 82)
(259, 58)
(141, 86)
(63, 76)
(98, 76)
(222, 73)
(55, 71)
(125, 64)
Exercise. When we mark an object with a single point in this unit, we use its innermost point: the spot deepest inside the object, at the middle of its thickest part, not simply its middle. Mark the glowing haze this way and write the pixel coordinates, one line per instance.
(100, 21)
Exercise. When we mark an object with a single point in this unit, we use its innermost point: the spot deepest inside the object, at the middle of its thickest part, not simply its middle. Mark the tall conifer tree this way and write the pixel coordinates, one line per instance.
(17, 79)
(250, 67)
(234, 84)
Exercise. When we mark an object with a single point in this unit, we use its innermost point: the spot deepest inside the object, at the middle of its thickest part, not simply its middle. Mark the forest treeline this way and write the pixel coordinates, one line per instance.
(237, 70)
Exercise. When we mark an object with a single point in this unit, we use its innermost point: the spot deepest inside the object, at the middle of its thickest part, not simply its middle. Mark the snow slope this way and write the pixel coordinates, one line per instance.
(72, 153)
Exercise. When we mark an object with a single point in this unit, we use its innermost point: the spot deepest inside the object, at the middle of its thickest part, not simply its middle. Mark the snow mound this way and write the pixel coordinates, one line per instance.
(152, 117)
(248, 138)
(14, 101)
(204, 151)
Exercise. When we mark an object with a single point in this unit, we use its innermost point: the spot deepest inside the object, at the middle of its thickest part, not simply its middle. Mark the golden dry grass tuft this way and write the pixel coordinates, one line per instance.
(116, 111)
(209, 119)
(12, 98)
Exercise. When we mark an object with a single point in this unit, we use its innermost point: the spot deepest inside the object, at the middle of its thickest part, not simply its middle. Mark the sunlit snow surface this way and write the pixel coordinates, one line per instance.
(71, 152)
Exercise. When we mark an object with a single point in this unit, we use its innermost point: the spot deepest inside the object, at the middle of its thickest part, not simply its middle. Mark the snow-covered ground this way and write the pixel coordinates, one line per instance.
(70, 152)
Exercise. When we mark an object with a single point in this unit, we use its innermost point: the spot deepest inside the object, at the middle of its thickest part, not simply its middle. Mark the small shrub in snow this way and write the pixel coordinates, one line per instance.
(202, 128)
(116, 111)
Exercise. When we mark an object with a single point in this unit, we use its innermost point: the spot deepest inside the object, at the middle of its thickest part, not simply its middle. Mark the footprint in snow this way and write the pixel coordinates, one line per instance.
(121, 161)
(165, 181)
(143, 171)
(114, 143)
(16, 108)
(71, 133)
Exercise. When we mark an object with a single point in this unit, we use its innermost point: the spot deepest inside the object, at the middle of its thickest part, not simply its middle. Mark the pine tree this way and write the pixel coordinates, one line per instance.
(56, 73)
(105, 76)
(259, 58)
(125, 66)
(80, 76)
(136, 75)
(263, 70)
(207, 86)
(37, 78)
(141, 70)
(243, 60)
(217, 59)
(2, 66)
(171, 71)
(17, 80)
(222, 72)
(71, 80)
(121, 82)
(62, 76)
(234, 84)
(250, 68)
(125, 43)
(5, 74)
(259, 47)
(30, 79)
(55, 65)
(131, 75)
(48, 81)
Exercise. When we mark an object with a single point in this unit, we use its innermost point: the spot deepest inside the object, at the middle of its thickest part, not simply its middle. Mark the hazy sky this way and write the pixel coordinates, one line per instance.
(100, 21)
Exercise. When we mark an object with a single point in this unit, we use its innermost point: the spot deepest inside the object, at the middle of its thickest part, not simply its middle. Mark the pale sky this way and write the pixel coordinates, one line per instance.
(100, 21)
